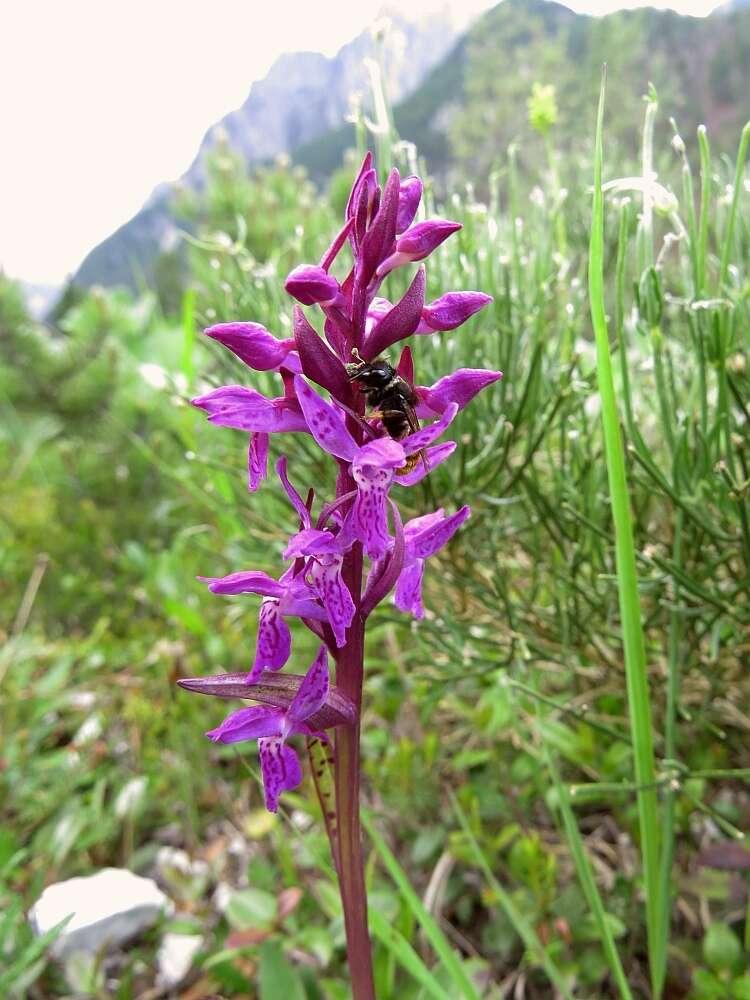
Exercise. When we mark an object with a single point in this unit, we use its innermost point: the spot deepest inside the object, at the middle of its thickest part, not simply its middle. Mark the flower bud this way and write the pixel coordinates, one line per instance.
(310, 284)
(409, 196)
(451, 310)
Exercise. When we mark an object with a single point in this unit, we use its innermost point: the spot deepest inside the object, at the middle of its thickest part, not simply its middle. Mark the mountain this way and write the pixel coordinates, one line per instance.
(472, 105)
(304, 95)
(463, 100)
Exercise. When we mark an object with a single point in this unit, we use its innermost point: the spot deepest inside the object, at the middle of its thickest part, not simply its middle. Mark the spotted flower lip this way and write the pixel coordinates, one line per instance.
(373, 465)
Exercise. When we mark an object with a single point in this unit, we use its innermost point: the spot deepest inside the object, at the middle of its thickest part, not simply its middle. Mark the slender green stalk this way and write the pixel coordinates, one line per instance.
(632, 628)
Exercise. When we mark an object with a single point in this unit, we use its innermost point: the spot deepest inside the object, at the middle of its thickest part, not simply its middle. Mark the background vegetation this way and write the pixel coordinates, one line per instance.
(498, 745)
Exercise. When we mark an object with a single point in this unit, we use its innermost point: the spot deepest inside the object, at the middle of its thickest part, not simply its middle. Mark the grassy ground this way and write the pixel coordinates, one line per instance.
(506, 739)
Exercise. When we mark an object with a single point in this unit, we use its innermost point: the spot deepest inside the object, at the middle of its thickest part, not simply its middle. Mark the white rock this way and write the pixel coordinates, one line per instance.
(108, 907)
(175, 957)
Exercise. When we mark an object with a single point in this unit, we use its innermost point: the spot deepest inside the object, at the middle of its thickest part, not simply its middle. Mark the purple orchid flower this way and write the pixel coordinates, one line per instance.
(373, 465)
(423, 536)
(323, 585)
(249, 410)
(290, 595)
(271, 727)
(261, 351)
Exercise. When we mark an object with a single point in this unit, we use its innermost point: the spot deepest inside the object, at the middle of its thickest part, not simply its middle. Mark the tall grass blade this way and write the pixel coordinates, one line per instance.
(632, 627)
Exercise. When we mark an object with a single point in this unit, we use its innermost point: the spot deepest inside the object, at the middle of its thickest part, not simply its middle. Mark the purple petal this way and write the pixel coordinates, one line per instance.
(313, 690)
(372, 471)
(254, 345)
(409, 196)
(334, 594)
(386, 571)
(296, 499)
(248, 410)
(365, 171)
(451, 310)
(280, 768)
(311, 542)
(326, 423)
(277, 690)
(310, 284)
(319, 363)
(274, 644)
(376, 310)
(400, 322)
(405, 366)
(408, 596)
(252, 582)
(418, 524)
(421, 438)
(257, 460)
(459, 387)
(379, 238)
(333, 250)
(426, 538)
(299, 599)
(434, 457)
(248, 724)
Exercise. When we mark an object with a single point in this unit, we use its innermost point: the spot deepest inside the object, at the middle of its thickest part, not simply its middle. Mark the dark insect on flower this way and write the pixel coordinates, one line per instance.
(393, 398)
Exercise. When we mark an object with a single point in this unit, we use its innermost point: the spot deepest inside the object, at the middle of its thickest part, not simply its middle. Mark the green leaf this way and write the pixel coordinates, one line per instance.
(722, 949)
(278, 979)
(251, 908)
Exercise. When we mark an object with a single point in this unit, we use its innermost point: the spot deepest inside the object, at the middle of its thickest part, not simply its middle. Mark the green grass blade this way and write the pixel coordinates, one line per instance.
(632, 627)
(588, 884)
(522, 927)
(188, 335)
(705, 152)
(434, 935)
(405, 955)
(737, 189)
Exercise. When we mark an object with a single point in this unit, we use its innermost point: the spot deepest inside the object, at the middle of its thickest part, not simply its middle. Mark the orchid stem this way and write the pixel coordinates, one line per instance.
(349, 675)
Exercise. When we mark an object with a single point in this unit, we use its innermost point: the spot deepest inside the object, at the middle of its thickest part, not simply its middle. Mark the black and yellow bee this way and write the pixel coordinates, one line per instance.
(393, 399)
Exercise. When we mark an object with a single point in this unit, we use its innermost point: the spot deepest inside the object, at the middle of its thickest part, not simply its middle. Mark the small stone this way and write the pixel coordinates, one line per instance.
(107, 908)
(175, 957)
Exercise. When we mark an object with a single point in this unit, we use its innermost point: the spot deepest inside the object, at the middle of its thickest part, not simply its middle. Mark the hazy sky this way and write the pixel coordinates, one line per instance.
(100, 100)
